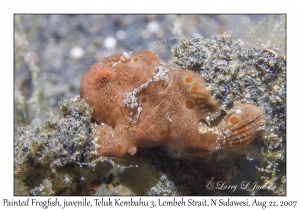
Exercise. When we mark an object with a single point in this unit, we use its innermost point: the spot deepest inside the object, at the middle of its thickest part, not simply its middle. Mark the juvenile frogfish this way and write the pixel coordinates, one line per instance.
(139, 102)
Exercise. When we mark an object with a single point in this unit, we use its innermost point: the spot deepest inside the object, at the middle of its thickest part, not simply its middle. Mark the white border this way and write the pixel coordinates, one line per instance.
(254, 6)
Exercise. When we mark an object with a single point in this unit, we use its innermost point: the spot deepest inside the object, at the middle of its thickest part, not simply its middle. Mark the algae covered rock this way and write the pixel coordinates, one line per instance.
(238, 73)
(61, 141)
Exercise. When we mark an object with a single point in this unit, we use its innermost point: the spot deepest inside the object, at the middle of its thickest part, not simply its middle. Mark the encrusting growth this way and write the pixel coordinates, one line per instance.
(138, 102)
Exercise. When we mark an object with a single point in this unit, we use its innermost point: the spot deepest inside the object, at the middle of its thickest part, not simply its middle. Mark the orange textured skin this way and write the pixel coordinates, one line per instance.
(140, 103)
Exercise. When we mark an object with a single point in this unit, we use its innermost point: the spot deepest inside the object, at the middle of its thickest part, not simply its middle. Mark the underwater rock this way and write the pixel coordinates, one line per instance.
(238, 73)
(49, 158)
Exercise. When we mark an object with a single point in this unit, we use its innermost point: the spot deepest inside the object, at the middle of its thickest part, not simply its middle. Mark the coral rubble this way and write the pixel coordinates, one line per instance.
(61, 142)
(237, 73)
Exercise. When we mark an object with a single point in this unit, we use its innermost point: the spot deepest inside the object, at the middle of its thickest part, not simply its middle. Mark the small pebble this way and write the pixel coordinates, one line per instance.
(153, 26)
(121, 34)
(76, 53)
(110, 42)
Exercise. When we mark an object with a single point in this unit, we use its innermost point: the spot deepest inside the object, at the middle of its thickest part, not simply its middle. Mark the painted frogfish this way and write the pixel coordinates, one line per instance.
(138, 101)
